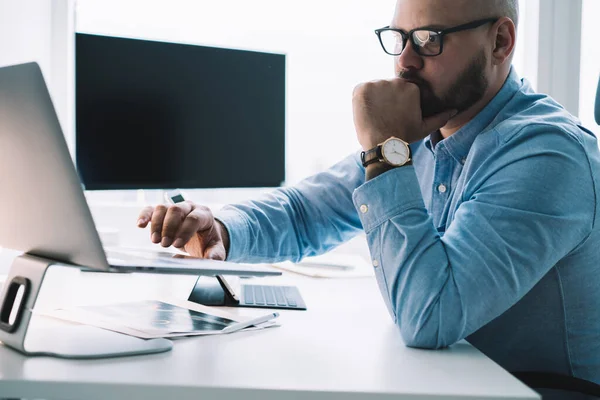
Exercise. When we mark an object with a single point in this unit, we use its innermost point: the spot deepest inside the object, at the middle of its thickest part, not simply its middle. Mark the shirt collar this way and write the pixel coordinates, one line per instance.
(459, 144)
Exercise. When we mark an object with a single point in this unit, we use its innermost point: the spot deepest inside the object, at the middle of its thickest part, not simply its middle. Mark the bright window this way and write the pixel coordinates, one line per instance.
(525, 59)
(590, 64)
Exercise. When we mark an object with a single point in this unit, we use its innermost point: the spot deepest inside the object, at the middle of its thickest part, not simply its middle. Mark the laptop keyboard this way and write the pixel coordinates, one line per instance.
(264, 296)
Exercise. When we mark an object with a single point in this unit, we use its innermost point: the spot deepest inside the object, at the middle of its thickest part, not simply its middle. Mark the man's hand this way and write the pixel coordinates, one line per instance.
(387, 108)
(186, 226)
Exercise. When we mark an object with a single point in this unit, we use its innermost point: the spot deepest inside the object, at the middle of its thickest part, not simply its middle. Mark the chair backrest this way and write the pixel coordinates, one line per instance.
(555, 386)
(597, 112)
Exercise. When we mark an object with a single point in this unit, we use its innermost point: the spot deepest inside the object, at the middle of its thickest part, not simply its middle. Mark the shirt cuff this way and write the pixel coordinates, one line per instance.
(237, 228)
(387, 195)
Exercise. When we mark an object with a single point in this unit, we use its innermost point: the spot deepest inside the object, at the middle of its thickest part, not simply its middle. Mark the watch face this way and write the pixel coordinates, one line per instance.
(395, 152)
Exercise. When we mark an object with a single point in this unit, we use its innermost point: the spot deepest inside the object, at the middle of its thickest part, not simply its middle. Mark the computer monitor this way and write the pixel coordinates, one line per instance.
(157, 115)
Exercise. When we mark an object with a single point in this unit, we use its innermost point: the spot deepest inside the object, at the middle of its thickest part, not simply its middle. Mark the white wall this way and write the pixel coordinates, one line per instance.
(25, 36)
(62, 81)
(25, 27)
(41, 31)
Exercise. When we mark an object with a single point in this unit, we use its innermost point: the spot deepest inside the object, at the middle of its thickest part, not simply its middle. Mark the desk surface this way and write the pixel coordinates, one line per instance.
(344, 346)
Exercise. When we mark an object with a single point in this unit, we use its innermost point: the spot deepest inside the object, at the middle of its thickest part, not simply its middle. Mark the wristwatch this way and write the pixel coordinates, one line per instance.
(394, 152)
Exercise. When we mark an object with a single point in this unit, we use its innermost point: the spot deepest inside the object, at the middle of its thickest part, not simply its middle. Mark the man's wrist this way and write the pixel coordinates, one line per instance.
(224, 236)
(372, 171)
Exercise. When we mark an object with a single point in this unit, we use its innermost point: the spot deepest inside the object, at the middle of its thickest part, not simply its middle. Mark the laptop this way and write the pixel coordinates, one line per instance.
(43, 209)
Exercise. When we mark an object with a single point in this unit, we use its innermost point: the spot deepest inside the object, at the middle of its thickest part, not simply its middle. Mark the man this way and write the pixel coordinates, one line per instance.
(489, 232)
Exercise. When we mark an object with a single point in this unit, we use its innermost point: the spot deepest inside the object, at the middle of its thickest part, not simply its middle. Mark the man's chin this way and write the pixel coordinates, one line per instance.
(429, 103)
(431, 108)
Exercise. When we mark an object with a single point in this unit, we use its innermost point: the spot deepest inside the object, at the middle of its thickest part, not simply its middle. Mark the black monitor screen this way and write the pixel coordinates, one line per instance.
(153, 115)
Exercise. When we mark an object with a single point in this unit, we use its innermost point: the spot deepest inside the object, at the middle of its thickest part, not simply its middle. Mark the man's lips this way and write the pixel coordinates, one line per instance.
(415, 81)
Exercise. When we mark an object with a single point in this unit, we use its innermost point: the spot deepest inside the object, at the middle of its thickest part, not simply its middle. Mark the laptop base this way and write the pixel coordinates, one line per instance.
(33, 336)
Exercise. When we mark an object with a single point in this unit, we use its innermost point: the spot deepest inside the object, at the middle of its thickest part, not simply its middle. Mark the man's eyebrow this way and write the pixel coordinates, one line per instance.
(433, 27)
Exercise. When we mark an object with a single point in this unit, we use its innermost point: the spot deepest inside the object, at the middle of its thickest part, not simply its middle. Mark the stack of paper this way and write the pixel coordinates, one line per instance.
(149, 319)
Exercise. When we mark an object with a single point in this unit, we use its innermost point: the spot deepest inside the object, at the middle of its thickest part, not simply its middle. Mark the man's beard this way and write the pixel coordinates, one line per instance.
(467, 90)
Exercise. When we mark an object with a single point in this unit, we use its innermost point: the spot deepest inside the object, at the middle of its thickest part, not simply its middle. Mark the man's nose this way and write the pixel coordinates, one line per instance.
(409, 59)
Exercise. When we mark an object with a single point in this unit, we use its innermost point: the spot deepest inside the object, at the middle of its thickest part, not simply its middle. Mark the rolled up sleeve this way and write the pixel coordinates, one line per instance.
(527, 208)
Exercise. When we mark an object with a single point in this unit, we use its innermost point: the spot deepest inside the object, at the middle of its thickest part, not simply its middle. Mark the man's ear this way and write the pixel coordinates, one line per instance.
(505, 39)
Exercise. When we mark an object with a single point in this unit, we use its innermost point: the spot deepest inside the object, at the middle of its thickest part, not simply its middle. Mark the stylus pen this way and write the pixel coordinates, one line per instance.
(244, 324)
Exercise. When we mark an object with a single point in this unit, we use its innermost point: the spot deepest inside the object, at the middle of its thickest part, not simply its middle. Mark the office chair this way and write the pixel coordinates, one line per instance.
(556, 386)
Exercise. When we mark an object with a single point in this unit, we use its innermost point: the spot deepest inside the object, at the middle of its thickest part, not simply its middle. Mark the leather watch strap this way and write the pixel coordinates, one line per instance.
(370, 156)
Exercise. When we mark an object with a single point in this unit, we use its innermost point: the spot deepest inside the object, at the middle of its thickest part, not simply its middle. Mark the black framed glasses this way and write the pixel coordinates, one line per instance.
(426, 42)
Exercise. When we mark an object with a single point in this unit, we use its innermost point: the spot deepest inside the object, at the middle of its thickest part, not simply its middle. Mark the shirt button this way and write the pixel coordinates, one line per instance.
(442, 188)
(375, 263)
(364, 209)
(463, 161)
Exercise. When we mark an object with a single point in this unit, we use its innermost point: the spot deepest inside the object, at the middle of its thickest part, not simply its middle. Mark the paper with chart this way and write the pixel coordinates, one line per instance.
(151, 318)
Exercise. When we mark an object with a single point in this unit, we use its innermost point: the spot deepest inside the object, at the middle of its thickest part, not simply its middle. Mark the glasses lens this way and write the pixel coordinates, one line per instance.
(392, 42)
(428, 42)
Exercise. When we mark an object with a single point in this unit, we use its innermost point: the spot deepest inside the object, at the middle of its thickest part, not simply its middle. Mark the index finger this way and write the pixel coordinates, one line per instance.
(174, 217)
(145, 216)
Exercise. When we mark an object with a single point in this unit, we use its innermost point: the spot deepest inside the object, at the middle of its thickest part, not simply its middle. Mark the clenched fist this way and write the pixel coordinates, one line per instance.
(387, 108)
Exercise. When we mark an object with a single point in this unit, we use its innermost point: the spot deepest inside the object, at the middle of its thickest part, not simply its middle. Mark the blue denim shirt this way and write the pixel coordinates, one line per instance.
(492, 235)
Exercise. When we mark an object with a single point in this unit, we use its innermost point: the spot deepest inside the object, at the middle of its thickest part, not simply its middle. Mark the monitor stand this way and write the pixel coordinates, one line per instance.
(33, 337)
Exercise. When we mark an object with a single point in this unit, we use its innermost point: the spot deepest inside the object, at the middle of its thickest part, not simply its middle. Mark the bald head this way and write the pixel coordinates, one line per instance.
(460, 11)
(495, 8)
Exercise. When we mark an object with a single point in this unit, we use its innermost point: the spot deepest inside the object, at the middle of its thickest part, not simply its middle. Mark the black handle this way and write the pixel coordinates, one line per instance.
(8, 303)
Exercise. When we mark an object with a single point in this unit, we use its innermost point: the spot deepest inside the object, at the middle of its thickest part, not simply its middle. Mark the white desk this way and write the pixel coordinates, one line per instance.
(344, 347)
